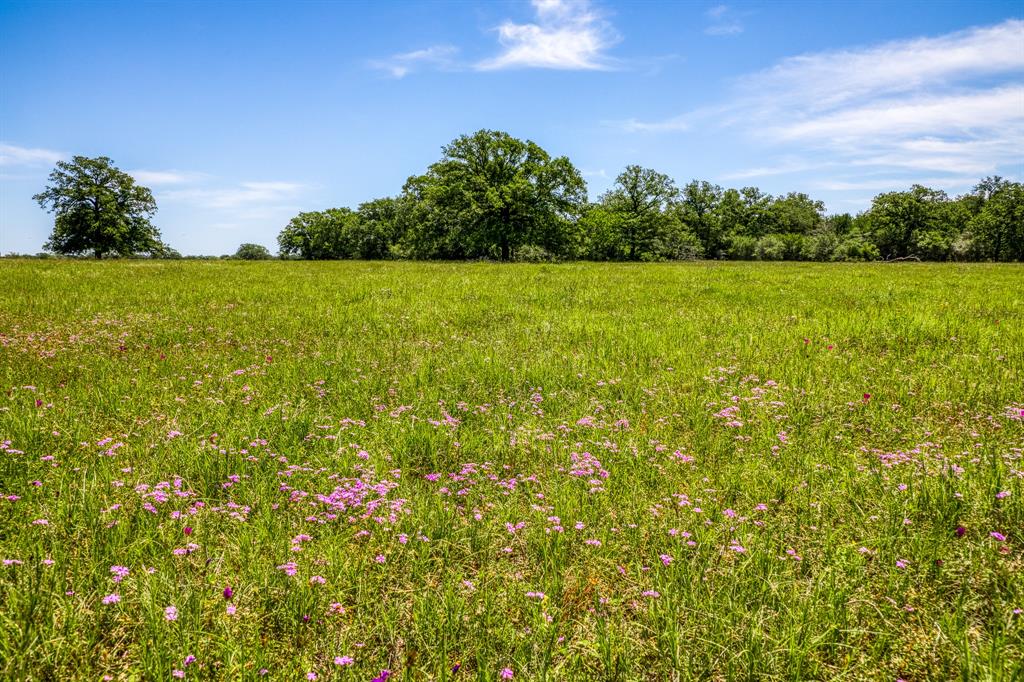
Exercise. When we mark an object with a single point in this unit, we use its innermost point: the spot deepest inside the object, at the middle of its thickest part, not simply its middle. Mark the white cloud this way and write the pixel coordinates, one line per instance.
(245, 194)
(827, 79)
(675, 124)
(13, 155)
(957, 114)
(916, 109)
(567, 34)
(724, 21)
(400, 65)
(167, 177)
(890, 183)
(786, 167)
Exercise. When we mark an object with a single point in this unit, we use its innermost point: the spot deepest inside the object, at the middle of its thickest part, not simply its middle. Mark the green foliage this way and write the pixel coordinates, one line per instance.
(899, 221)
(998, 227)
(491, 194)
(770, 247)
(98, 209)
(252, 252)
(320, 235)
(638, 205)
(701, 212)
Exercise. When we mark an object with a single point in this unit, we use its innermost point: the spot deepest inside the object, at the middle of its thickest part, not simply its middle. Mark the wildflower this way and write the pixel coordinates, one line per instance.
(998, 536)
(1002, 494)
(311, 675)
(901, 563)
(650, 593)
(506, 674)
(171, 613)
(228, 593)
(593, 542)
(188, 530)
(112, 598)
(960, 530)
(380, 559)
(119, 573)
(180, 674)
(666, 559)
(189, 660)
(729, 513)
(230, 609)
(535, 595)
(384, 675)
(344, 660)
(290, 568)
(318, 579)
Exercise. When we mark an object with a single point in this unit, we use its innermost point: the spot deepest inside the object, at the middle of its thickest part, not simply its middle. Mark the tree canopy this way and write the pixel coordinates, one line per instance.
(98, 209)
(491, 194)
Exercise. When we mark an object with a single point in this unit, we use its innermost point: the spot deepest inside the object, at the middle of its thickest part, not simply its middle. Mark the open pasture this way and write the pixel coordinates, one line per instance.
(330, 470)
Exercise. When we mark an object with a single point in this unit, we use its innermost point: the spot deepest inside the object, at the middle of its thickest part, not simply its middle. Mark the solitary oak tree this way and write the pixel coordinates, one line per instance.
(100, 209)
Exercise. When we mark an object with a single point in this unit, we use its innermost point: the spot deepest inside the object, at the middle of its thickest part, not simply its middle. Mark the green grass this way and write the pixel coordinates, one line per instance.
(874, 414)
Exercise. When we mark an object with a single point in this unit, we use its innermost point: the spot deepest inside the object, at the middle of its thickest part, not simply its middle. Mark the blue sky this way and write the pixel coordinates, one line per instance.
(238, 116)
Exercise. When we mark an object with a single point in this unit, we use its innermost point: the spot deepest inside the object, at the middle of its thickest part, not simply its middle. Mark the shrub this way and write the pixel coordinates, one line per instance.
(770, 247)
(252, 252)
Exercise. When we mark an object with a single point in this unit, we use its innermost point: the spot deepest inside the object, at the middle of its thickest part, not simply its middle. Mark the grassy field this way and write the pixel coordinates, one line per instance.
(298, 471)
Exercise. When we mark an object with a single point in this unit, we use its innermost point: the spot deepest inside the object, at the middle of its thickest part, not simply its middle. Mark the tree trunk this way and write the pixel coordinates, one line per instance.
(506, 251)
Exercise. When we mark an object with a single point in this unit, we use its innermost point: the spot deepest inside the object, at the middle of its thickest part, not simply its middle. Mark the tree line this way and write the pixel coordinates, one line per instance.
(493, 196)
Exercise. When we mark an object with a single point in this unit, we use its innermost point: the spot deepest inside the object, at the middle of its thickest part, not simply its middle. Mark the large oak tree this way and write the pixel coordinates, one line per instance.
(491, 194)
(99, 209)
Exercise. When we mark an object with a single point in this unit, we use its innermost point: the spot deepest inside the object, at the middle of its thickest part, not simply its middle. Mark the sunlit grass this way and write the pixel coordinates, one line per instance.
(650, 472)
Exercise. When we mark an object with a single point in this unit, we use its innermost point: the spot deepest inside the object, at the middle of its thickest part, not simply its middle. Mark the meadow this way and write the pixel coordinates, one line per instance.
(431, 471)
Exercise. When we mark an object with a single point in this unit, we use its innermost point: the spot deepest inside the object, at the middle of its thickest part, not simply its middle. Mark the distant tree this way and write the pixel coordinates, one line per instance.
(378, 229)
(758, 219)
(252, 252)
(639, 204)
(796, 213)
(492, 193)
(839, 224)
(698, 209)
(998, 228)
(319, 235)
(167, 253)
(99, 209)
(600, 237)
(909, 223)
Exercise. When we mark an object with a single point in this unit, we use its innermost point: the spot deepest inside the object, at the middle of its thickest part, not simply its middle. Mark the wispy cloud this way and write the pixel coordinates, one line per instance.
(668, 125)
(245, 194)
(401, 65)
(567, 34)
(723, 21)
(919, 108)
(163, 177)
(13, 155)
